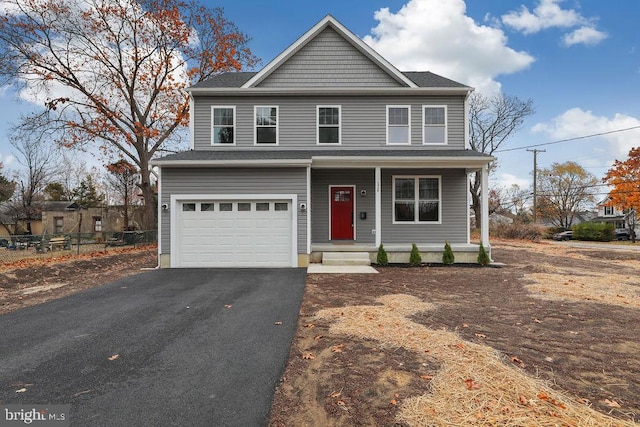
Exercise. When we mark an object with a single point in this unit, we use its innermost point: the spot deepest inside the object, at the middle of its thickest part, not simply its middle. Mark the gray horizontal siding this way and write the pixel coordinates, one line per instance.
(363, 121)
(234, 181)
(454, 210)
(328, 61)
(363, 179)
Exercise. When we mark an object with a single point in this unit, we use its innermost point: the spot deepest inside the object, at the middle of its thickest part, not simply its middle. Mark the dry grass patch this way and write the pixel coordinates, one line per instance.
(614, 289)
(474, 387)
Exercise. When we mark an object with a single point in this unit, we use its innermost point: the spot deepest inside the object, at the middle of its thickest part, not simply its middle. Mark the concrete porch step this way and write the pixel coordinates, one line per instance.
(345, 258)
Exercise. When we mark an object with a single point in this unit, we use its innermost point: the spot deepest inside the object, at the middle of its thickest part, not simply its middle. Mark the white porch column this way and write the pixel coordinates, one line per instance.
(378, 196)
(484, 202)
(308, 210)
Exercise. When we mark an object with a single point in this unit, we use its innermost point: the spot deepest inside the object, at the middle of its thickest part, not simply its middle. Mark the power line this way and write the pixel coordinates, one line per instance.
(568, 139)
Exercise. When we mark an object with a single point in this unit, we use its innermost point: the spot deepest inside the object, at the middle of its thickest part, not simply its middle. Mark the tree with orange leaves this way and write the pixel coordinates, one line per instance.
(624, 177)
(113, 72)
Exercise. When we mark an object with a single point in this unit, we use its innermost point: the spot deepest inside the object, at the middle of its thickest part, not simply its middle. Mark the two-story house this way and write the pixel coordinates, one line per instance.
(328, 148)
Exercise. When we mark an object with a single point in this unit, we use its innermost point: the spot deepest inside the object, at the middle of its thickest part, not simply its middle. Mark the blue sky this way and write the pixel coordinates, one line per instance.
(578, 60)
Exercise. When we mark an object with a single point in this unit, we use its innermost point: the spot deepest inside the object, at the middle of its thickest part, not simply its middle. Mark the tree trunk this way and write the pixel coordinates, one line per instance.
(476, 203)
(149, 216)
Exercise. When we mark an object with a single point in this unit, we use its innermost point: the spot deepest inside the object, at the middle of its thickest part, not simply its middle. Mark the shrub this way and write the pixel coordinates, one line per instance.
(519, 231)
(594, 232)
(382, 258)
(448, 257)
(415, 258)
(483, 256)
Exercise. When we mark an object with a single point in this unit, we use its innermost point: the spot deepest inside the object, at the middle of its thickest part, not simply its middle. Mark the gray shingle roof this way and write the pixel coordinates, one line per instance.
(235, 155)
(230, 79)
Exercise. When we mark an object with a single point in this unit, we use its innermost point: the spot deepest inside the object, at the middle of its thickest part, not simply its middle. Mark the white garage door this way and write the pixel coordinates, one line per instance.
(234, 233)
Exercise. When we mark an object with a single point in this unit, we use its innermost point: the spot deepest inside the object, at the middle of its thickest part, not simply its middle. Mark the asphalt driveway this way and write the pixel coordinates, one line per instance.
(168, 347)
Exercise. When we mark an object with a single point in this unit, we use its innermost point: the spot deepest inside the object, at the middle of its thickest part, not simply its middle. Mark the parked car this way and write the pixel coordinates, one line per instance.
(565, 235)
(622, 234)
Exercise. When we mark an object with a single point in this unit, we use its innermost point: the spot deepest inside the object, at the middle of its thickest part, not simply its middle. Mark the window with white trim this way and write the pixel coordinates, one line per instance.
(329, 118)
(434, 124)
(416, 199)
(266, 120)
(223, 119)
(398, 124)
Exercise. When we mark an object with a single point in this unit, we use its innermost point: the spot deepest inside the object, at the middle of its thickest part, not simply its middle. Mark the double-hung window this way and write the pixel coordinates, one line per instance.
(223, 125)
(398, 124)
(434, 124)
(416, 199)
(266, 119)
(329, 118)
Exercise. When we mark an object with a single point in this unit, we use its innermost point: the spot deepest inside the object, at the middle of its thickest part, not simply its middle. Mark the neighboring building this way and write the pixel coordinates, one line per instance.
(328, 148)
(68, 217)
(620, 218)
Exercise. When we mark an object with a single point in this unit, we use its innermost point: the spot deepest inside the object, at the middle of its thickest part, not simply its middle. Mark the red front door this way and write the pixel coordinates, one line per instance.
(342, 213)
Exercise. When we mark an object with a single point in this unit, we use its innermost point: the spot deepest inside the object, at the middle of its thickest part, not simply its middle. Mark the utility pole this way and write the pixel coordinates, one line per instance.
(535, 183)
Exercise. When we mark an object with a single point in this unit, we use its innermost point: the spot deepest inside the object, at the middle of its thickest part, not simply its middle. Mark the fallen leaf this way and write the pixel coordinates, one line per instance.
(393, 402)
(277, 323)
(464, 325)
(22, 390)
(308, 356)
(537, 320)
(113, 357)
(481, 335)
(523, 400)
(471, 384)
(336, 394)
(583, 401)
(228, 306)
(318, 337)
(611, 403)
(517, 361)
(337, 348)
(426, 377)
(309, 325)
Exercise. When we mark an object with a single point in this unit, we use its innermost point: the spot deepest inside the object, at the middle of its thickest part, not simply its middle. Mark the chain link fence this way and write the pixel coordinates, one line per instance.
(19, 247)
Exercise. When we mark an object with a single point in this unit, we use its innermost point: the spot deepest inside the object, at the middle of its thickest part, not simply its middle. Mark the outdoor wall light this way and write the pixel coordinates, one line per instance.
(165, 207)
(363, 193)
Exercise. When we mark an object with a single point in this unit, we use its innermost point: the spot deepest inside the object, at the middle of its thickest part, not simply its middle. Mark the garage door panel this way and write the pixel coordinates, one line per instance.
(257, 235)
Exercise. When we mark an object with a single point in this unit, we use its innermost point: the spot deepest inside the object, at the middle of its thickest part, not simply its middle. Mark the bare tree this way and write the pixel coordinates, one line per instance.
(40, 161)
(492, 120)
(123, 180)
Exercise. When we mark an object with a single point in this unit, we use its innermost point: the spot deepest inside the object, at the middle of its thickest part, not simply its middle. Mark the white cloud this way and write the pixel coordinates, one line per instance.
(584, 35)
(548, 14)
(6, 161)
(577, 123)
(507, 180)
(437, 36)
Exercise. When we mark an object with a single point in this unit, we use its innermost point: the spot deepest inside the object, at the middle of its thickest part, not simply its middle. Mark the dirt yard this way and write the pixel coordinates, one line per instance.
(29, 282)
(551, 339)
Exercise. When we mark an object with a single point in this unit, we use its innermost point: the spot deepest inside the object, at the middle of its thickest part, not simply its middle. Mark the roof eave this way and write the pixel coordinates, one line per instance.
(404, 91)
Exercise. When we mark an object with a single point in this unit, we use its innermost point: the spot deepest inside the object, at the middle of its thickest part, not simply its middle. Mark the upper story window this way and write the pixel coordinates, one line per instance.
(398, 124)
(608, 210)
(329, 118)
(416, 199)
(434, 122)
(224, 125)
(266, 119)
